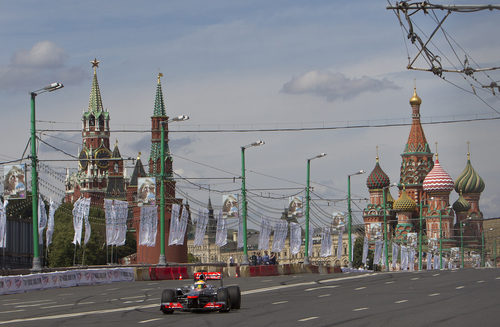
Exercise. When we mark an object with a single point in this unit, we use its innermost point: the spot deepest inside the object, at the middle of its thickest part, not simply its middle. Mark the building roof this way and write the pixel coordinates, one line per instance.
(469, 180)
(461, 204)
(404, 203)
(416, 140)
(138, 172)
(378, 178)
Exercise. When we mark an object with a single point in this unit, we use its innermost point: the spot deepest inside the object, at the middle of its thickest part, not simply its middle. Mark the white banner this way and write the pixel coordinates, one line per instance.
(326, 242)
(378, 252)
(120, 226)
(265, 231)
(148, 225)
(3, 224)
(109, 213)
(429, 261)
(295, 238)
(50, 222)
(311, 235)
(78, 221)
(174, 225)
(353, 241)
(436, 262)
(221, 233)
(240, 232)
(411, 259)
(365, 250)
(86, 210)
(395, 253)
(339, 242)
(280, 234)
(201, 227)
(404, 257)
(42, 219)
(182, 227)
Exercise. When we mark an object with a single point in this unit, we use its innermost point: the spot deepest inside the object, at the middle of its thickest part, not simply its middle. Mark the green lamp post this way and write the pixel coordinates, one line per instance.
(244, 199)
(349, 217)
(34, 173)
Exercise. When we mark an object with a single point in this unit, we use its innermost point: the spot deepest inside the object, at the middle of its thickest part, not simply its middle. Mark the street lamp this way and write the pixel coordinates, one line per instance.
(306, 254)
(494, 249)
(349, 224)
(34, 174)
(162, 259)
(244, 199)
(385, 225)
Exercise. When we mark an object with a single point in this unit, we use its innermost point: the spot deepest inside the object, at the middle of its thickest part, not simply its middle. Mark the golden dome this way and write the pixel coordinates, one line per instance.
(415, 99)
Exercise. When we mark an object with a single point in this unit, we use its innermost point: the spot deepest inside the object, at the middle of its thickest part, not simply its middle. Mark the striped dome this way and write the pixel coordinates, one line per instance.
(438, 180)
(469, 181)
(404, 203)
(377, 178)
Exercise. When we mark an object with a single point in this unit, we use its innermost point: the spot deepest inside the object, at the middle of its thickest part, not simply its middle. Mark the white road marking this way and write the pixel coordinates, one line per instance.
(497, 278)
(434, 294)
(149, 320)
(306, 319)
(65, 294)
(459, 287)
(360, 309)
(128, 302)
(324, 295)
(11, 311)
(112, 289)
(37, 301)
(58, 306)
(480, 281)
(33, 305)
(280, 302)
(132, 297)
(390, 282)
(320, 288)
(153, 299)
(360, 288)
(152, 283)
(83, 303)
(401, 301)
(415, 278)
(435, 275)
(266, 280)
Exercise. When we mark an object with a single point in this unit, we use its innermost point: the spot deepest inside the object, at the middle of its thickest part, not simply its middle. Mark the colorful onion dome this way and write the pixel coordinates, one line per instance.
(438, 180)
(377, 178)
(404, 203)
(469, 181)
(461, 204)
(415, 99)
(389, 198)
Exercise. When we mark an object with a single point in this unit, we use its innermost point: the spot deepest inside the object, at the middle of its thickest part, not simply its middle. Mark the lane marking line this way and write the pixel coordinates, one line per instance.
(11, 311)
(434, 294)
(37, 301)
(57, 306)
(401, 301)
(435, 275)
(415, 278)
(132, 297)
(321, 287)
(112, 289)
(360, 288)
(360, 309)
(480, 281)
(459, 287)
(324, 295)
(149, 320)
(280, 302)
(147, 289)
(83, 303)
(390, 282)
(306, 319)
(34, 305)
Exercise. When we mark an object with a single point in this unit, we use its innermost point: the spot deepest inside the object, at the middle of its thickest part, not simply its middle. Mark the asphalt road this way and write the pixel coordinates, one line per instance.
(436, 298)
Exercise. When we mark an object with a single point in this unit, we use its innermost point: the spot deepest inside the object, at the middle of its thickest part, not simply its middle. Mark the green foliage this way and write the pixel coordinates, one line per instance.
(192, 258)
(358, 255)
(63, 253)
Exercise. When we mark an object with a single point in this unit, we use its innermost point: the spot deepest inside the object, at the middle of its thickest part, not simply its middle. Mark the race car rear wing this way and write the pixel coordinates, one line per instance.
(208, 275)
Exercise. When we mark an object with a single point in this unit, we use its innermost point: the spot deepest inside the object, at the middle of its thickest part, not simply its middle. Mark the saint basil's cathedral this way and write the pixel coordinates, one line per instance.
(424, 194)
(101, 173)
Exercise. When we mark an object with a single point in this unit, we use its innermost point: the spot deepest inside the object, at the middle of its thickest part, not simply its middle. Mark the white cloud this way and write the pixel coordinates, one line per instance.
(44, 54)
(335, 86)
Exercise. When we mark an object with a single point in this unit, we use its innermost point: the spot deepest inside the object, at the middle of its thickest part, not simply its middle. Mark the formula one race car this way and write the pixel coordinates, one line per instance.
(201, 296)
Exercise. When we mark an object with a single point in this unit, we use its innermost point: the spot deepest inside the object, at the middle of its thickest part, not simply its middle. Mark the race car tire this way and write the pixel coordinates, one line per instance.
(167, 296)
(223, 296)
(234, 296)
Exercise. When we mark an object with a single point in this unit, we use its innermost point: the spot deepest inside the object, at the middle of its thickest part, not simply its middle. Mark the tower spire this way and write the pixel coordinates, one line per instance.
(95, 101)
(159, 109)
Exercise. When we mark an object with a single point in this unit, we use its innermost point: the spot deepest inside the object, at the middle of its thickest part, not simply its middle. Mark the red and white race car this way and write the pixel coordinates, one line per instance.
(202, 296)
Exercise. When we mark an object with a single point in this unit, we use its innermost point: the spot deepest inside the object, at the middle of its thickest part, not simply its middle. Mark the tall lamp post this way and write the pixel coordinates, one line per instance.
(385, 225)
(34, 174)
(462, 225)
(244, 199)
(306, 250)
(494, 248)
(349, 224)
(162, 259)
(441, 237)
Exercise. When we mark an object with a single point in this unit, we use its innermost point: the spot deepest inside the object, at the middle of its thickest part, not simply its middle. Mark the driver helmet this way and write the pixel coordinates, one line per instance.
(200, 285)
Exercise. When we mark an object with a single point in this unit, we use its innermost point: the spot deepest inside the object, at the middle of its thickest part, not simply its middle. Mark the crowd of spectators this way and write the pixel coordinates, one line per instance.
(257, 259)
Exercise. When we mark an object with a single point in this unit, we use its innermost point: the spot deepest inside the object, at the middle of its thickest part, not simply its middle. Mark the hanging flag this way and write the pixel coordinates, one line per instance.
(14, 179)
(265, 232)
(230, 206)
(436, 262)
(146, 193)
(221, 233)
(148, 225)
(295, 238)
(395, 253)
(110, 220)
(173, 235)
(86, 210)
(42, 219)
(240, 231)
(365, 250)
(295, 206)
(3, 223)
(353, 240)
(201, 227)
(50, 222)
(339, 242)
(182, 226)
(121, 215)
(280, 234)
(326, 242)
(78, 221)
(310, 247)
(429, 261)
(404, 257)
(378, 252)
(411, 259)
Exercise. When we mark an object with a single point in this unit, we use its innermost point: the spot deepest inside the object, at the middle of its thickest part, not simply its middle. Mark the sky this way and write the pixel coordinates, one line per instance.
(252, 65)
